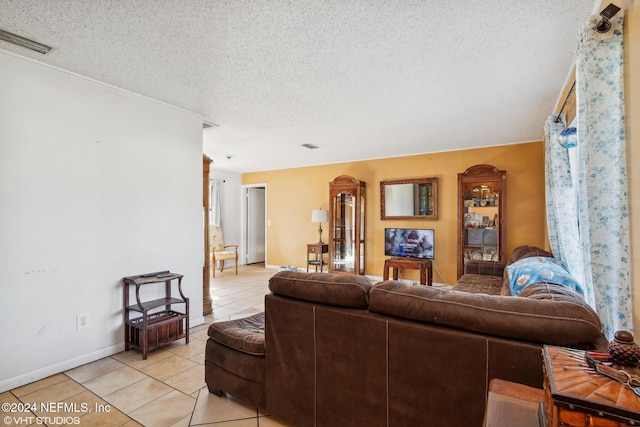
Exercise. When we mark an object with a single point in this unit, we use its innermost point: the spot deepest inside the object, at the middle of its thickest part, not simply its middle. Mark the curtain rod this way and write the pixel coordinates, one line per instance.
(566, 101)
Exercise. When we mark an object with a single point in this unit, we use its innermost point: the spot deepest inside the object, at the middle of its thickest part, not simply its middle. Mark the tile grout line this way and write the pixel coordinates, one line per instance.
(85, 389)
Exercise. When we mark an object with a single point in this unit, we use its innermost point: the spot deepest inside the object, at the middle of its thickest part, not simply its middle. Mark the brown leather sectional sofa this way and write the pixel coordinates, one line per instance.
(341, 352)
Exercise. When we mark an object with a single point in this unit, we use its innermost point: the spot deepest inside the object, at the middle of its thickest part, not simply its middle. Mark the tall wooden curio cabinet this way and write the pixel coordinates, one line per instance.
(347, 225)
(482, 197)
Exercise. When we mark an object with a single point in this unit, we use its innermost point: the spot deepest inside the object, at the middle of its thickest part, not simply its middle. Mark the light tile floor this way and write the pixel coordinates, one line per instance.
(167, 389)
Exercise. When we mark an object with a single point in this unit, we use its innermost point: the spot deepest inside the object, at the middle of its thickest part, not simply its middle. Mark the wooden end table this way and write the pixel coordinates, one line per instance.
(575, 395)
(511, 404)
(317, 250)
(424, 265)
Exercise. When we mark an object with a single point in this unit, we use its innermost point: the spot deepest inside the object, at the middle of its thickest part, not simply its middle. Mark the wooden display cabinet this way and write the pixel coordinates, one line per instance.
(347, 225)
(158, 323)
(482, 194)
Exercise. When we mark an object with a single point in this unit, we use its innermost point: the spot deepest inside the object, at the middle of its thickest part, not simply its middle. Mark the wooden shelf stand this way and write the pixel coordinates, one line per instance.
(158, 323)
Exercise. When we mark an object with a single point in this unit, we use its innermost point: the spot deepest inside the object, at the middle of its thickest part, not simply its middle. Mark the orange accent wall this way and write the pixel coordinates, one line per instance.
(293, 193)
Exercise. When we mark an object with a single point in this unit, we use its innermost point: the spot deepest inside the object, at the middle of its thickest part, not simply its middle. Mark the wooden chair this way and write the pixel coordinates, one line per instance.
(220, 251)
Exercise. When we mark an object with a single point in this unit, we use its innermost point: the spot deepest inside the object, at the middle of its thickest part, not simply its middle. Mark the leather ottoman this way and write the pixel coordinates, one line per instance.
(234, 359)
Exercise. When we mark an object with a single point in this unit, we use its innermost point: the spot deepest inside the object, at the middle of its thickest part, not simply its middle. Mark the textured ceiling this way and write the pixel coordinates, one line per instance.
(359, 79)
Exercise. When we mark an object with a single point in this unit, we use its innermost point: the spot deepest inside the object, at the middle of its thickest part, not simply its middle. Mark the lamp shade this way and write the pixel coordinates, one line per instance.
(319, 215)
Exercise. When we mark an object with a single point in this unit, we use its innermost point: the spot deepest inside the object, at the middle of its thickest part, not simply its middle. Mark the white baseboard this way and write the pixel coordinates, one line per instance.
(47, 371)
(197, 321)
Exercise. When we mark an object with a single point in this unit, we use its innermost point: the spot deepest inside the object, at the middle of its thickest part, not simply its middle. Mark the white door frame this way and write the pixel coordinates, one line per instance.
(243, 229)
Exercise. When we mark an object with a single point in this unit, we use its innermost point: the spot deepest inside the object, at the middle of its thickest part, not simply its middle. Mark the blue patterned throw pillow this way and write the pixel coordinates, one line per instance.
(526, 271)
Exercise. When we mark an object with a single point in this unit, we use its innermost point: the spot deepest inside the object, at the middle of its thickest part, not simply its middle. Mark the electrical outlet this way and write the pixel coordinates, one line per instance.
(82, 321)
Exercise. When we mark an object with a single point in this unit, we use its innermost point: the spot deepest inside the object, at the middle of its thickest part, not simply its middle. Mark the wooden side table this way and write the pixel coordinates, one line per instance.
(511, 404)
(317, 250)
(424, 265)
(576, 396)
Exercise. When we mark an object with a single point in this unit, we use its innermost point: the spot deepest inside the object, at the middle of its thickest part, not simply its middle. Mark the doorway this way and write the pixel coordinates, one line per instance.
(254, 223)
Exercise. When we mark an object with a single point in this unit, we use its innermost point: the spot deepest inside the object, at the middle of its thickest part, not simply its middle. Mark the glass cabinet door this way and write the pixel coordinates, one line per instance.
(362, 235)
(481, 221)
(343, 242)
(482, 193)
(346, 226)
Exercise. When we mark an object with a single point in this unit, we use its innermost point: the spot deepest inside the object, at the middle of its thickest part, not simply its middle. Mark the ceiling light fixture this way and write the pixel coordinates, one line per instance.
(24, 42)
(607, 13)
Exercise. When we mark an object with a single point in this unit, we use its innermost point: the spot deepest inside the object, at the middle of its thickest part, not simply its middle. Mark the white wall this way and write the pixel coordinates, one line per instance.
(96, 184)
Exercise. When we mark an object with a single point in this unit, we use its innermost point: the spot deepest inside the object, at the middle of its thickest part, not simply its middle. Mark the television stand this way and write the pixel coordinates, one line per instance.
(424, 265)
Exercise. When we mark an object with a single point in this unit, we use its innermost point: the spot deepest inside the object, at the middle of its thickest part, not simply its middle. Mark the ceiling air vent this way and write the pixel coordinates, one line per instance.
(310, 146)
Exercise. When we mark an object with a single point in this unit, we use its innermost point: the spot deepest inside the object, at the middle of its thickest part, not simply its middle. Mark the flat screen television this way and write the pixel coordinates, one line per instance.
(409, 242)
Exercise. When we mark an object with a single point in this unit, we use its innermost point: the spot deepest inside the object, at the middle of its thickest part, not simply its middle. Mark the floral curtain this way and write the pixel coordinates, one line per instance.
(562, 207)
(587, 213)
(602, 174)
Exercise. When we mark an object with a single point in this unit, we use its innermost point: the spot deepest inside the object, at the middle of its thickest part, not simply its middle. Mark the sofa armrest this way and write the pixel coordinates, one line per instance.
(488, 268)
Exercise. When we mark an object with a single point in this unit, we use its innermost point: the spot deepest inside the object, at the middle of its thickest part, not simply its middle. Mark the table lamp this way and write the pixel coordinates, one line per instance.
(319, 216)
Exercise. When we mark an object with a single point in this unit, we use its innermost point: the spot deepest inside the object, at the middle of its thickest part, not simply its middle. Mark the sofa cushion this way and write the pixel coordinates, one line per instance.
(334, 289)
(519, 253)
(543, 313)
(489, 268)
(245, 335)
(527, 271)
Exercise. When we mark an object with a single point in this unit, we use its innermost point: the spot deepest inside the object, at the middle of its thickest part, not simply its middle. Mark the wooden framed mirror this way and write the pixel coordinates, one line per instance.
(409, 199)
(482, 195)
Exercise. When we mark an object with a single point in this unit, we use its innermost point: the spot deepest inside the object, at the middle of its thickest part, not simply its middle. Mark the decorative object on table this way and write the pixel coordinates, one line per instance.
(623, 349)
(319, 216)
